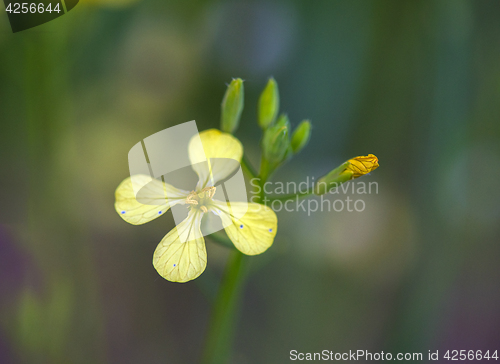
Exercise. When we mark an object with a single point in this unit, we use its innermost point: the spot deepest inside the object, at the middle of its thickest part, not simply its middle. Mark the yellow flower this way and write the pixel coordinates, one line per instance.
(181, 255)
(360, 166)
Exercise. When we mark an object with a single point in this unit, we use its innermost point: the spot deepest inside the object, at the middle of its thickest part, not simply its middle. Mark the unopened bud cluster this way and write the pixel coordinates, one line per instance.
(279, 143)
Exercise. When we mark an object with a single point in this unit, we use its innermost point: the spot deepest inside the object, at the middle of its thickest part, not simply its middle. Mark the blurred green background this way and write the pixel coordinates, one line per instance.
(416, 83)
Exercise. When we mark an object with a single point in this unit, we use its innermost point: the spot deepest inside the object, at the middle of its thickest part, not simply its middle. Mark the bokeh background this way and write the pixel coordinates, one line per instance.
(416, 83)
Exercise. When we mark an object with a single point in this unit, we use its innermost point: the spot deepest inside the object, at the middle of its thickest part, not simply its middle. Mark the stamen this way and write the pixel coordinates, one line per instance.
(199, 198)
(190, 199)
(210, 190)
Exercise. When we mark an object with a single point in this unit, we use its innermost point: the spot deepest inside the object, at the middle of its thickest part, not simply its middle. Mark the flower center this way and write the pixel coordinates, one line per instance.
(201, 199)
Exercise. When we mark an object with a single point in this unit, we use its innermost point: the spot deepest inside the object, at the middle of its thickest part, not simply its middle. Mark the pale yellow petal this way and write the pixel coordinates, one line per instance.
(181, 255)
(223, 153)
(152, 195)
(250, 226)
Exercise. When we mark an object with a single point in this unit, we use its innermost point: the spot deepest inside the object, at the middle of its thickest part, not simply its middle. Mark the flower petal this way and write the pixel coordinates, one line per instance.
(181, 255)
(250, 226)
(152, 195)
(222, 152)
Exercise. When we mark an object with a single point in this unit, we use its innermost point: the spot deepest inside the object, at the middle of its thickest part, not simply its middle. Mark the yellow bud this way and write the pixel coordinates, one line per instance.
(362, 165)
(353, 168)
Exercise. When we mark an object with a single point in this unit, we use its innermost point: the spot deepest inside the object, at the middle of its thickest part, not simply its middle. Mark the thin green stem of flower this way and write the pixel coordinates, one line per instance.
(221, 329)
(264, 173)
(292, 196)
(224, 316)
(208, 284)
(247, 167)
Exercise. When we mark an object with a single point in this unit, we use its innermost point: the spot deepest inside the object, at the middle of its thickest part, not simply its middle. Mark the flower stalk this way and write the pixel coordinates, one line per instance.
(247, 168)
(225, 311)
(222, 325)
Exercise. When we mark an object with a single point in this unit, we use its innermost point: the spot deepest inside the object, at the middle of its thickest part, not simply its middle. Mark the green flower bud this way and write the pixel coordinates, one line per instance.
(353, 168)
(269, 104)
(232, 106)
(276, 141)
(301, 136)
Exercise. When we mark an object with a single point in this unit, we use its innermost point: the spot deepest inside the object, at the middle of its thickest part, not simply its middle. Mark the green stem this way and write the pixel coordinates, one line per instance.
(223, 322)
(292, 196)
(265, 171)
(248, 168)
(221, 329)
